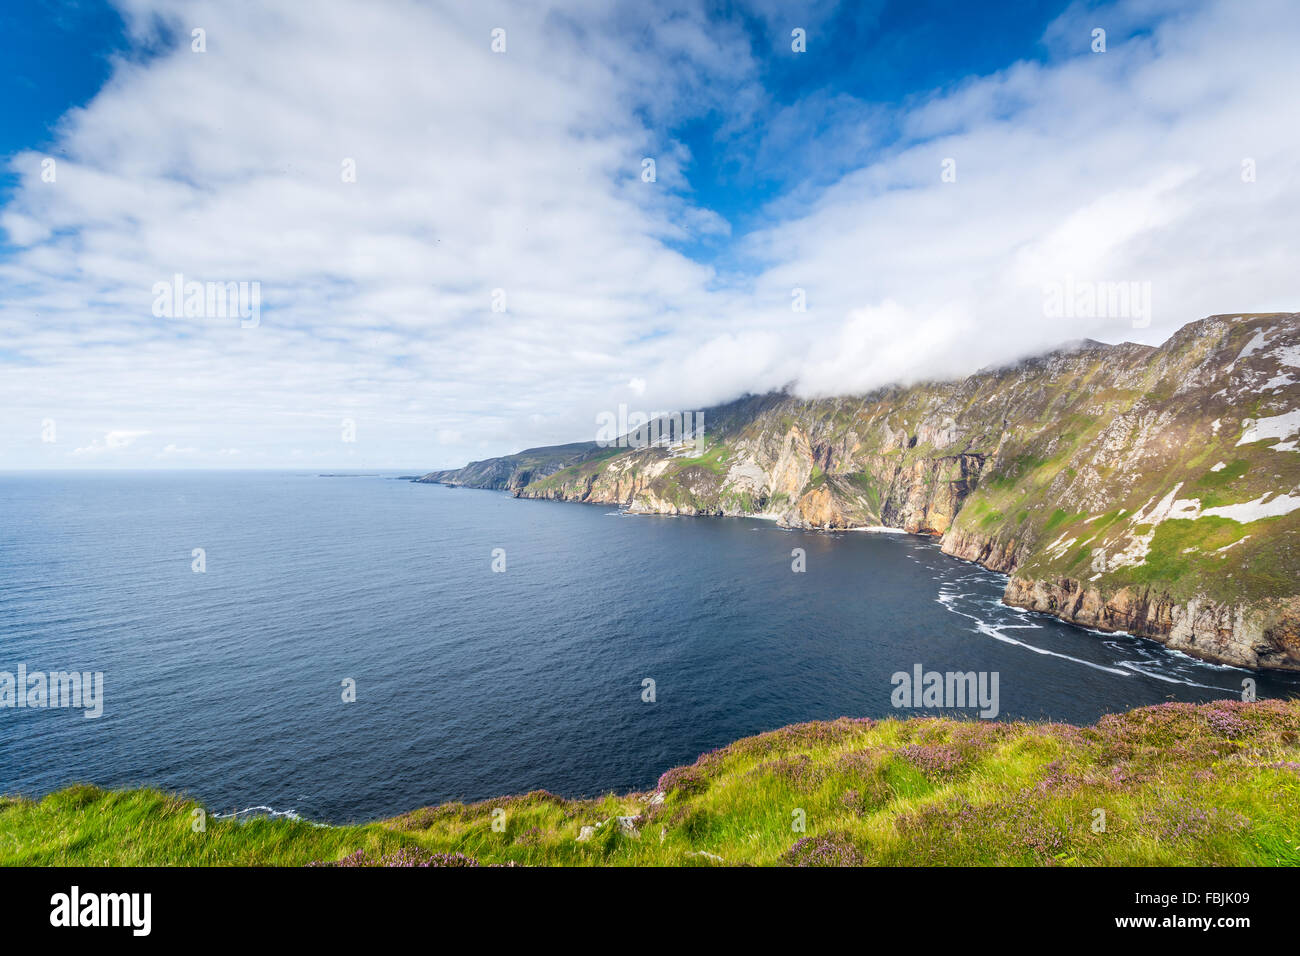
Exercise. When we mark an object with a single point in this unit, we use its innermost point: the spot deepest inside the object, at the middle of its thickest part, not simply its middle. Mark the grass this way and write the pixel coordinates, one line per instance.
(576, 473)
(1176, 784)
(1182, 546)
(1207, 555)
(1009, 474)
(1060, 517)
(714, 459)
(1214, 487)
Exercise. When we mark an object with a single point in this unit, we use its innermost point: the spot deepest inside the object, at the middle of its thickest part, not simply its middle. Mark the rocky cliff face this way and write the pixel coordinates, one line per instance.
(514, 472)
(1261, 635)
(1127, 487)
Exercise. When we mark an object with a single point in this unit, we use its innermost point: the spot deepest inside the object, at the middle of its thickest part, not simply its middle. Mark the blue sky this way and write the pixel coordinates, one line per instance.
(870, 54)
(56, 56)
(496, 272)
(60, 52)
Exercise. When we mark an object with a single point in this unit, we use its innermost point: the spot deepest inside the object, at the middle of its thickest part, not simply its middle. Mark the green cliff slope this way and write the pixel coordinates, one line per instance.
(1176, 784)
(1125, 487)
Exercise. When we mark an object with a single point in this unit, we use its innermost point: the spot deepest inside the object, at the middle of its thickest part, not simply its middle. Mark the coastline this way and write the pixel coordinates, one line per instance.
(913, 790)
(1199, 629)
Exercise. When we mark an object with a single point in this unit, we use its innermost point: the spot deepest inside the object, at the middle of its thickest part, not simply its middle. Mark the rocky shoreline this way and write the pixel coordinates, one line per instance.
(1126, 487)
(1258, 638)
(1242, 637)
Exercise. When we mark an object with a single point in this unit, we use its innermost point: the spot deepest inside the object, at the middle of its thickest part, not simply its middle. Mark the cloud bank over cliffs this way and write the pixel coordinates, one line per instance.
(458, 251)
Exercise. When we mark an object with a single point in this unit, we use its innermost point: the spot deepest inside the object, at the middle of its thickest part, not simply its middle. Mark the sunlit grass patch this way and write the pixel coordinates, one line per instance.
(1175, 784)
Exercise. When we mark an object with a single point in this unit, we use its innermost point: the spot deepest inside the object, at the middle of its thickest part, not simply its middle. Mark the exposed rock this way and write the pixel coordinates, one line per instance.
(1266, 636)
(1127, 487)
(713, 857)
(993, 553)
(626, 825)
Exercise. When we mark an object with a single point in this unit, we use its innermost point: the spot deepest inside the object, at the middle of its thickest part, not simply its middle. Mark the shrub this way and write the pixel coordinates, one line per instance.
(827, 849)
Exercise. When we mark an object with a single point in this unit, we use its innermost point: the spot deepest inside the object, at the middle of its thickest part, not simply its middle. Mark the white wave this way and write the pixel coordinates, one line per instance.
(270, 812)
(1096, 630)
(994, 631)
(1167, 678)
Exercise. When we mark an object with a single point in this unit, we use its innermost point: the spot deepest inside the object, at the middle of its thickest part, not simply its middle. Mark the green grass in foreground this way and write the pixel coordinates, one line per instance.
(1215, 784)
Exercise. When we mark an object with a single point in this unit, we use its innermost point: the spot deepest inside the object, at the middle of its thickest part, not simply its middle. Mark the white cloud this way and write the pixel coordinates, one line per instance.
(112, 441)
(521, 172)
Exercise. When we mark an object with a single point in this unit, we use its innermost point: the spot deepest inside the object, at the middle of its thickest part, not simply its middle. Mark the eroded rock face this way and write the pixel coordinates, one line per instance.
(926, 496)
(993, 553)
(1265, 636)
(817, 510)
(793, 467)
(1127, 487)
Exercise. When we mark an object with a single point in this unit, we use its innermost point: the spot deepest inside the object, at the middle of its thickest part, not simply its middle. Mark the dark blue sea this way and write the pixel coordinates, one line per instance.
(228, 684)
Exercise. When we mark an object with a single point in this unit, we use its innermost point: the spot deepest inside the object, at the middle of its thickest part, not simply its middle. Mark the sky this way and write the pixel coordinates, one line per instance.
(461, 229)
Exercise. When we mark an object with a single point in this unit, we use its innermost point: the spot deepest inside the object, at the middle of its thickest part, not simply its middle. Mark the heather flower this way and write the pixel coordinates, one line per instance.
(828, 849)
(405, 856)
(530, 837)
(1178, 817)
(863, 802)
(426, 817)
(683, 780)
(798, 771)
(1057, 779)
(1016, 823)
(861, 763)
(978, 735)
(936, 761)
(817, 733)
(1226, 723)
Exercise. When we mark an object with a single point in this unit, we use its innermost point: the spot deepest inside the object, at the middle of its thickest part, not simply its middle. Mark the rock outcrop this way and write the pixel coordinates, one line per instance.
(1122, 487)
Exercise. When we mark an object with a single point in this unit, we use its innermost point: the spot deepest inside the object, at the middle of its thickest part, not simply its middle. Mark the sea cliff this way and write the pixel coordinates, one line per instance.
(1154, 490)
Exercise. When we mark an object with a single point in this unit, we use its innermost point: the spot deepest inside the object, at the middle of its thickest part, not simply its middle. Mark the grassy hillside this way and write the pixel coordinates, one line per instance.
(1216, 784)
(1154, 490)
(511, 472)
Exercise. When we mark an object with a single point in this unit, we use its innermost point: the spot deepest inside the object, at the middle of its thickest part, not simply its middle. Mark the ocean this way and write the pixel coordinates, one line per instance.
(229, 683)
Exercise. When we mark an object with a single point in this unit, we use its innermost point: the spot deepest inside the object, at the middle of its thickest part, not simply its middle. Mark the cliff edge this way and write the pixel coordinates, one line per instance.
(1153, 490)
